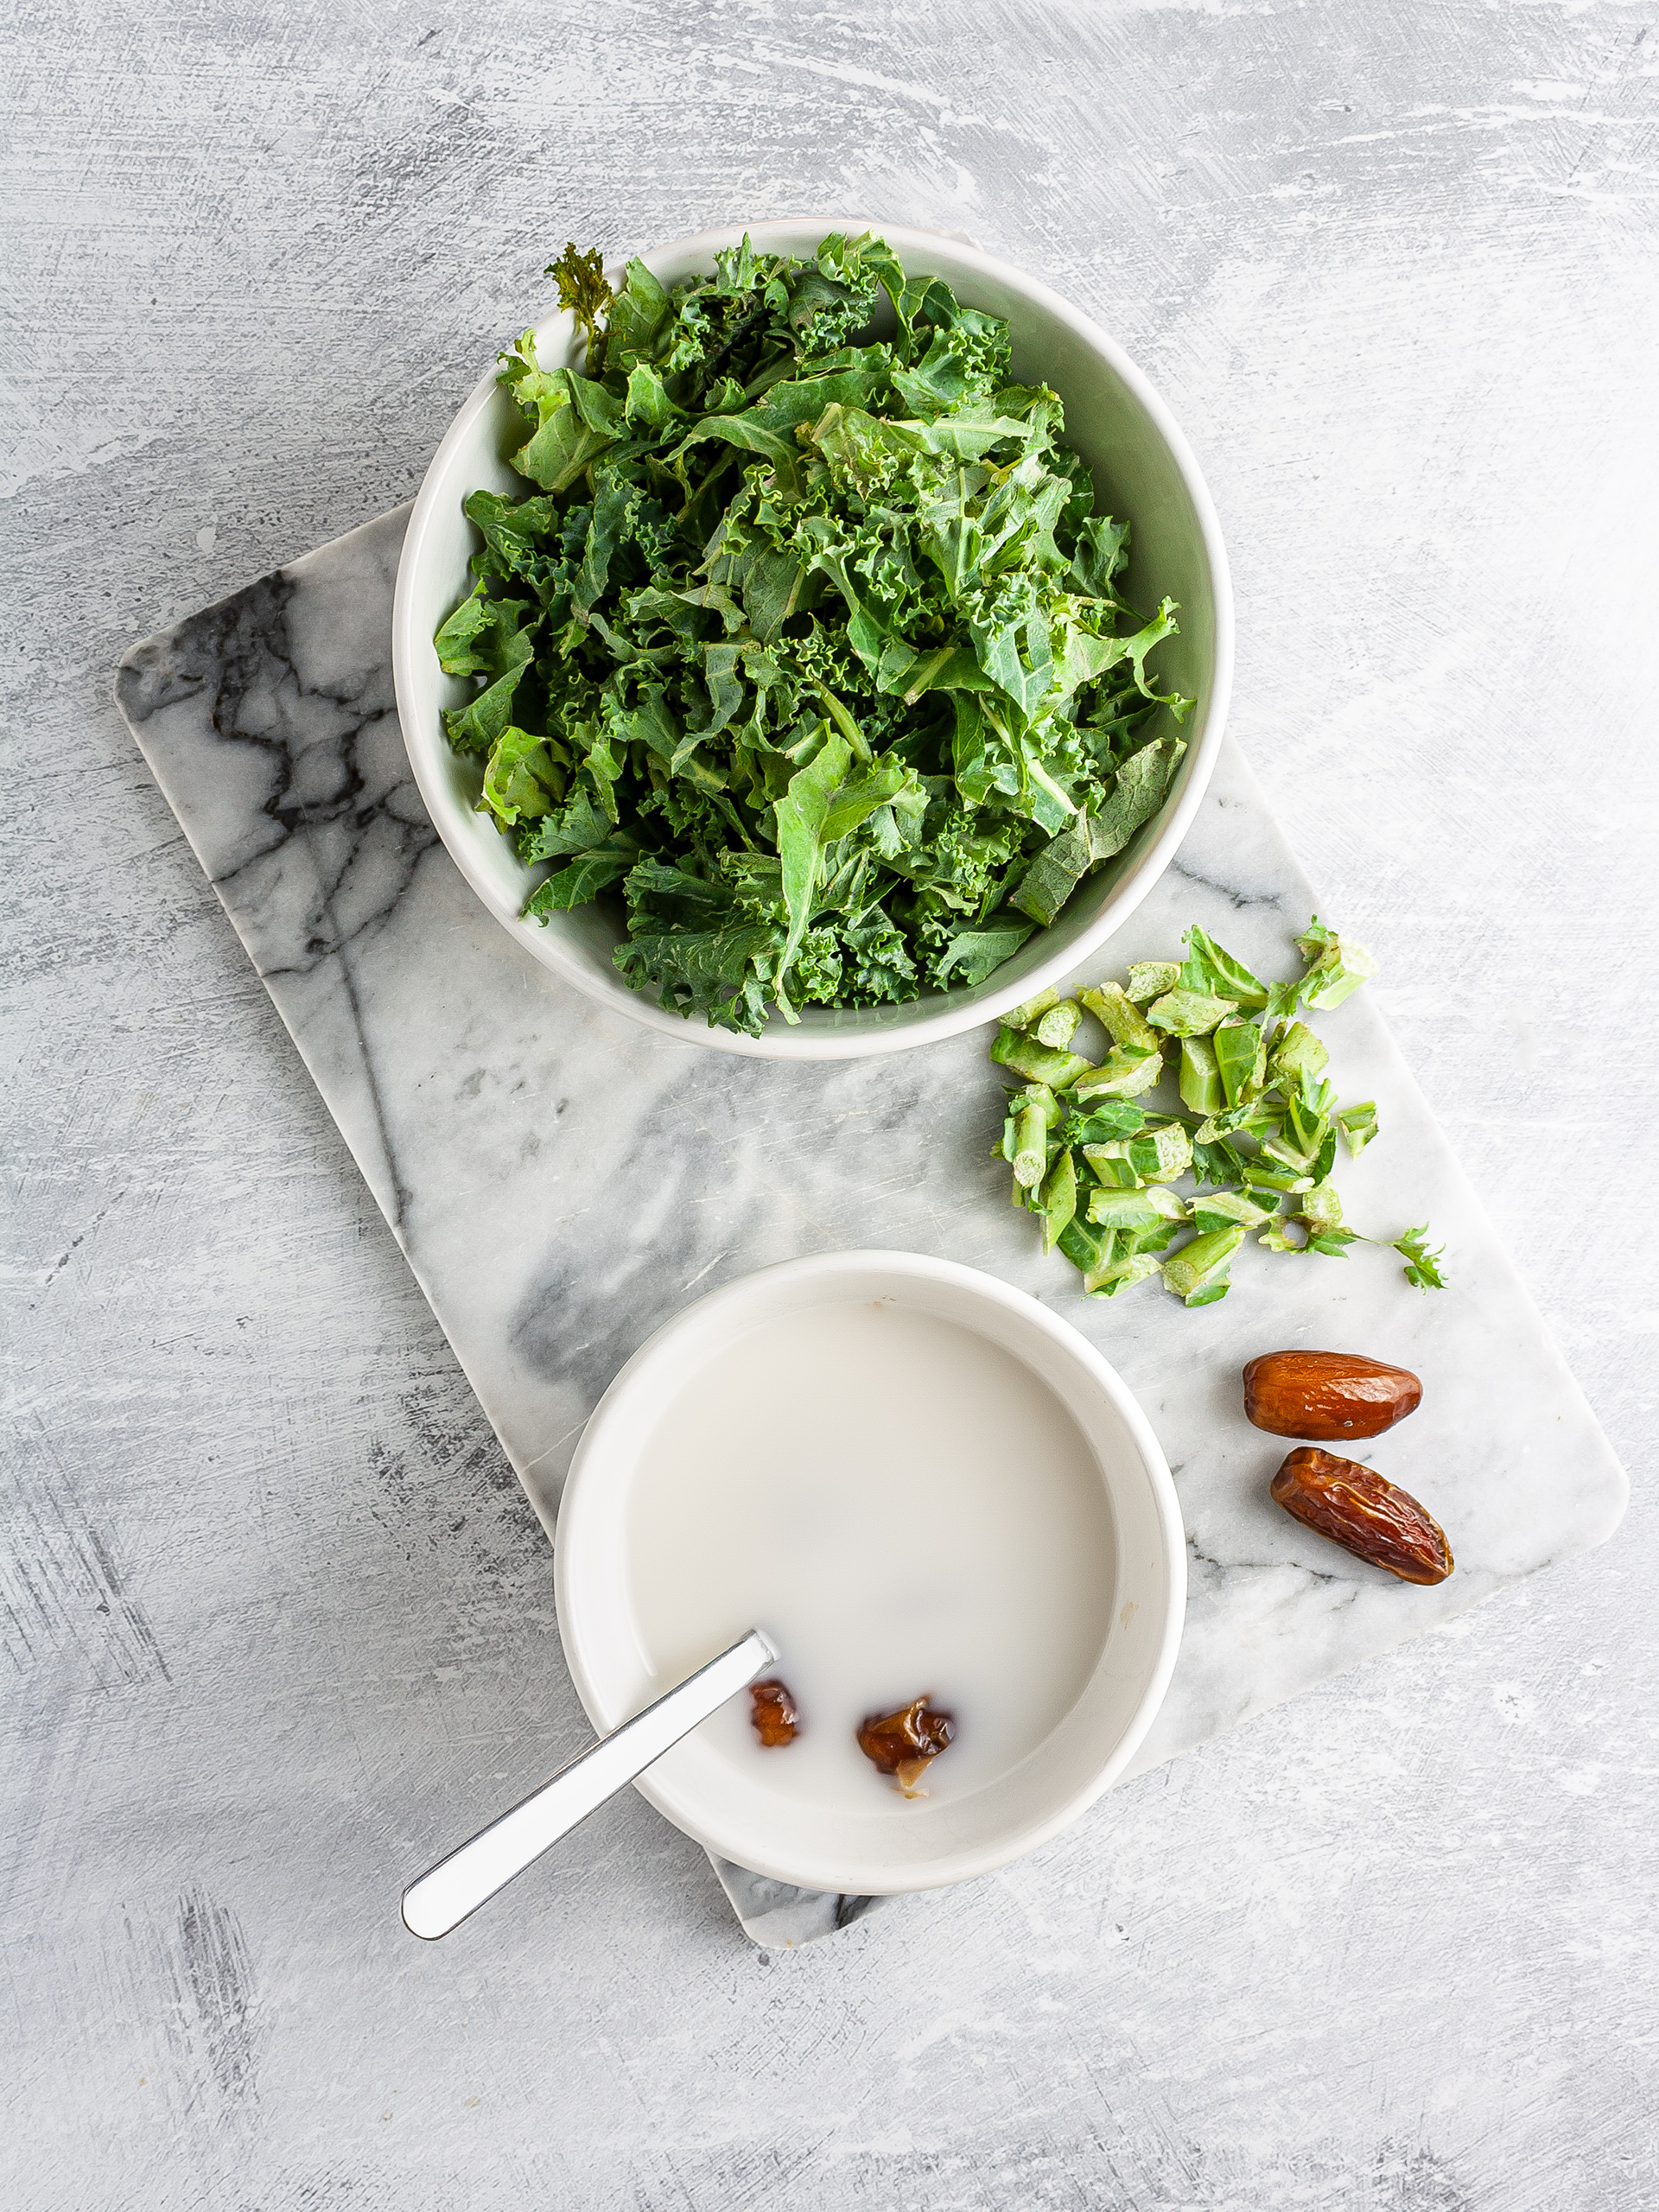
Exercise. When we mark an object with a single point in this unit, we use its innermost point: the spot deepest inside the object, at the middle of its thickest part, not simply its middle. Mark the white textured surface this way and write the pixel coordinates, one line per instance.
(273, 1591)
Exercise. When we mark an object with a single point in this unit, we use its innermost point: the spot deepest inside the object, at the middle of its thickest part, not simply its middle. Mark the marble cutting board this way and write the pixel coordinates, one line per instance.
(562, 1179)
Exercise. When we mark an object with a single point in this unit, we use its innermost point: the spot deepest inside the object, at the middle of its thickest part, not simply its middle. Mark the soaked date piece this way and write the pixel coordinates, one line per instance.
(903, 1743)
(772, 1709)
(1356, 1508)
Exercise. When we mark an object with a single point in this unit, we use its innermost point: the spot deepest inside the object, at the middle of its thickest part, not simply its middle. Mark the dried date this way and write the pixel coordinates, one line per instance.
(1367, 1515)
(902, 1744)
(1331, 1397)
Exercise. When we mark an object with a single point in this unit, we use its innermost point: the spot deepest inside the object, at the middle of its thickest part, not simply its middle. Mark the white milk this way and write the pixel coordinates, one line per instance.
(904, 1508)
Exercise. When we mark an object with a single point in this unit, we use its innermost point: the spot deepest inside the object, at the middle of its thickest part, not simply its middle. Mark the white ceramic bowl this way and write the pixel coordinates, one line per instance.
(737, 1813)
(1143, 469)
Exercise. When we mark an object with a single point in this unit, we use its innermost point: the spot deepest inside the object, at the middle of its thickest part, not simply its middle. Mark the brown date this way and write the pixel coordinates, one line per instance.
(772, 1711)
(1367, 1515)
(1335, 1397)
(901, 1744)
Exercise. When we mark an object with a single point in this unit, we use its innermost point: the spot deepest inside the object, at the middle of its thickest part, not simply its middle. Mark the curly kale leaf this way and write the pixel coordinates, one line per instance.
(583, 290)
(1422, 1269)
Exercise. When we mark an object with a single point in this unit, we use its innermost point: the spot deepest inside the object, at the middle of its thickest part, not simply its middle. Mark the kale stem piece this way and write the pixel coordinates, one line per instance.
(1201, 1084)
(844, 722)
(1033, 1010)
(1058, 1025)
(1014, 1049)
(1201, 1264)
(1030, 1144)
(1121, 1018)
(1058, 1198)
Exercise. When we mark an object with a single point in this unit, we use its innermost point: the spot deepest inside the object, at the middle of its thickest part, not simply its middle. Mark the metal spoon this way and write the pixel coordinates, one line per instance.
(457, 1886)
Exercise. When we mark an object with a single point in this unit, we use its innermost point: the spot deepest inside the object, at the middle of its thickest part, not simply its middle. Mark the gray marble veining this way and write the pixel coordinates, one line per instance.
(561, 1180)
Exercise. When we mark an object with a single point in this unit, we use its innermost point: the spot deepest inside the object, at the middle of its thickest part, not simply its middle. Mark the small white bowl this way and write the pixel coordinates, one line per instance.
(1143, 469)
(737, 1813)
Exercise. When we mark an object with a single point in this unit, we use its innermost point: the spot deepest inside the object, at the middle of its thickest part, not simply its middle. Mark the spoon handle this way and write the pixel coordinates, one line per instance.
(443, 1898)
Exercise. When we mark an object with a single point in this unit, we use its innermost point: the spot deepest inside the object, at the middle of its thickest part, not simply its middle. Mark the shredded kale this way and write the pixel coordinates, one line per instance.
(1258, 1137)
(805, 640)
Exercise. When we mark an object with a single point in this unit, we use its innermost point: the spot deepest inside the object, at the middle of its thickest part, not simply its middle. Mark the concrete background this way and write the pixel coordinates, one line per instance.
(266, 1575)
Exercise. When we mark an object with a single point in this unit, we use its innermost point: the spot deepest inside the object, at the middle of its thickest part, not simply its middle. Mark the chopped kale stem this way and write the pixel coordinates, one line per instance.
(805, 644)
(1258, 1138)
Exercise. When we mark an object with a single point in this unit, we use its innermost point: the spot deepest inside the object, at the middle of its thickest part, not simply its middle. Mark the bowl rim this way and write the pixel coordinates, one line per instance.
(823, 1270)
(779, 1040)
